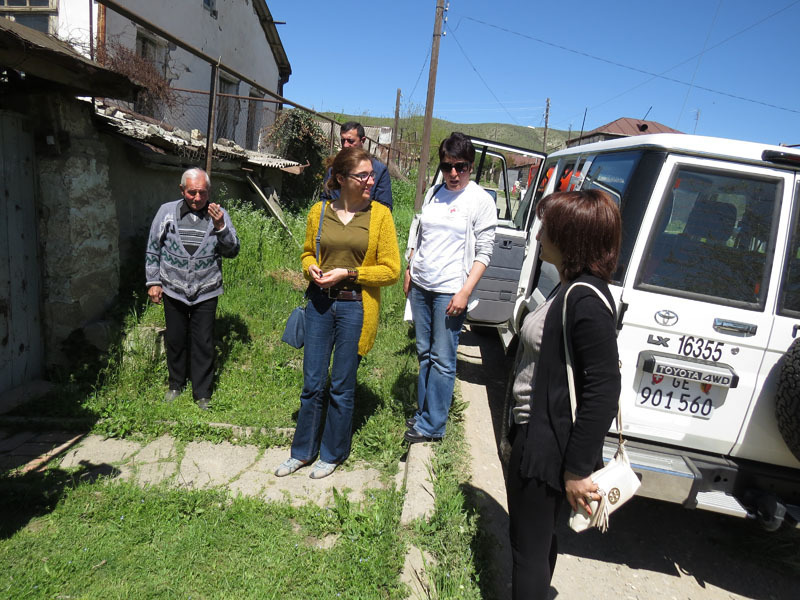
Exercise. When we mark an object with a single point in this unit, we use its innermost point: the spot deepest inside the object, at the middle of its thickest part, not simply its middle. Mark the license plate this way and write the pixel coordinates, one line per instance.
(679, 396)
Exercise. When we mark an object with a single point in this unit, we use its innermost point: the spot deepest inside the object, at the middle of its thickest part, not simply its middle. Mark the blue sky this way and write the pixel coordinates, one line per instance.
(727, 67)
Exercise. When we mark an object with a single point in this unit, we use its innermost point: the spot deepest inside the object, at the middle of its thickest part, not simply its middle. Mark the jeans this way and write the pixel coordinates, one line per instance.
(331, 326)
(190, 324)
(437, 344)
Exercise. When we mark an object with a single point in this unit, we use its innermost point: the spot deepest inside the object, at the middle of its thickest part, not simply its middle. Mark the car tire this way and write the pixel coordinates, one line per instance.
(787, 399)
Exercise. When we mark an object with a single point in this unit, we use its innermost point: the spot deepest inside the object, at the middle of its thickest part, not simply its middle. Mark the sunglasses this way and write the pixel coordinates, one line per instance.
(460, 167)
(362, 177)
(349, 142)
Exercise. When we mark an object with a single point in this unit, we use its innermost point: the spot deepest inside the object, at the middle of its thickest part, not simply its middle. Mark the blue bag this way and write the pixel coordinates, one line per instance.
(295, 331)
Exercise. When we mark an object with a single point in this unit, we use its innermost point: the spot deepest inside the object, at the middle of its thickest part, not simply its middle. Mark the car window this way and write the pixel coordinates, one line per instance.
(789, 303)
(612, 174)
(713, 238)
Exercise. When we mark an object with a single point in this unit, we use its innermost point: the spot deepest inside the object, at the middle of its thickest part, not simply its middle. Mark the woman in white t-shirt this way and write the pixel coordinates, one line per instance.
(449, 248)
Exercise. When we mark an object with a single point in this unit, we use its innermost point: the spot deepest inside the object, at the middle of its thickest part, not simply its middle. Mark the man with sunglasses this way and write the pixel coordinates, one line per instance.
(353, 136)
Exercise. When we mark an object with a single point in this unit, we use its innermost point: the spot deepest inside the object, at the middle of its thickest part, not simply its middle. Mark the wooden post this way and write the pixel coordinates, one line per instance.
(212, 114)
(546, 123)
(395, 146)
(427, 126)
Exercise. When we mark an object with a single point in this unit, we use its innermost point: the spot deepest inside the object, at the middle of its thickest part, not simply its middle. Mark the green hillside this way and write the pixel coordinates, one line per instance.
(515, 135)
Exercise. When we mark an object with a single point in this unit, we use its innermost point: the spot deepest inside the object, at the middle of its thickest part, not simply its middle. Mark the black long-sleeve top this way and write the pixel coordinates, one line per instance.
(553, 444)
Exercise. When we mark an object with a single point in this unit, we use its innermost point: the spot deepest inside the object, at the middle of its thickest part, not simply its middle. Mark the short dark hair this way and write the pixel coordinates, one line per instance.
(343, 163)
(350, 125)
(458, 146)
(586, 227)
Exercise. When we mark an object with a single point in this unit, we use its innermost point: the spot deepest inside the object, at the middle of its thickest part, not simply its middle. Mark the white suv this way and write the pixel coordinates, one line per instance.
(708, 297)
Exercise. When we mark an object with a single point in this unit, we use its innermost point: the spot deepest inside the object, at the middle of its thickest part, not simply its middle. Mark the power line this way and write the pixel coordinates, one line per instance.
(425, 62)
(691, 58)
(452, 33)
(636, 69)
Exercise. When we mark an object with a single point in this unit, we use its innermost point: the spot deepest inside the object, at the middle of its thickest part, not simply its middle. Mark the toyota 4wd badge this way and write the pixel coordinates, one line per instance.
(667, 318)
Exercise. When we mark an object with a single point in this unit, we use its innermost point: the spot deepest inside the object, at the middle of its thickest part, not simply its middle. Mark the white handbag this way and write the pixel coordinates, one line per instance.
(616, 482)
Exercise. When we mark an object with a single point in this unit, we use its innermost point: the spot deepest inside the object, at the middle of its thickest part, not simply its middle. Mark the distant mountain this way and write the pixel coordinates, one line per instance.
(515, 135)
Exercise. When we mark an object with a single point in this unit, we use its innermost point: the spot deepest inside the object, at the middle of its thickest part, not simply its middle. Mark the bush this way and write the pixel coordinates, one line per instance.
(295, 135)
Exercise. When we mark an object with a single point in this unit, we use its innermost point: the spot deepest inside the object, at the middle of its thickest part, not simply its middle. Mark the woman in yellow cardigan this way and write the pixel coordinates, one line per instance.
(358, 254)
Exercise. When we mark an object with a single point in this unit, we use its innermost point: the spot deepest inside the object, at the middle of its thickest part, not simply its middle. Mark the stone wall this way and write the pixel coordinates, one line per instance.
(78, 226)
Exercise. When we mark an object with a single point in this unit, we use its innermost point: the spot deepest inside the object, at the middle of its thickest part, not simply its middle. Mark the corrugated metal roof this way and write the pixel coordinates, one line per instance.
(179, 142)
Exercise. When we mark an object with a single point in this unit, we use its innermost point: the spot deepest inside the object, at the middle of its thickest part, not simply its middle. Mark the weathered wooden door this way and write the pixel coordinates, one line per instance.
(20, 321)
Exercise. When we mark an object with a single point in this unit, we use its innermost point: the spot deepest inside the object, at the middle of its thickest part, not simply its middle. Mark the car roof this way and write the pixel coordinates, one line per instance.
(689, 144)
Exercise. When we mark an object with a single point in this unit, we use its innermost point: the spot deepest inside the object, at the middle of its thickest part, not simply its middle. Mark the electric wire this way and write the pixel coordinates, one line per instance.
(697, 66)
(644, 71)
(460, 47)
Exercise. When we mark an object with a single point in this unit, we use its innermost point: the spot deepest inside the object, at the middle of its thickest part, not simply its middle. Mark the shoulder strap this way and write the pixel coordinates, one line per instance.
(319, 229)
(570, 374)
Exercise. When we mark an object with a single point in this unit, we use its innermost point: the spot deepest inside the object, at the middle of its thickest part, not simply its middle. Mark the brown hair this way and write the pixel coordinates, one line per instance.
(343, 163)
(586, 227)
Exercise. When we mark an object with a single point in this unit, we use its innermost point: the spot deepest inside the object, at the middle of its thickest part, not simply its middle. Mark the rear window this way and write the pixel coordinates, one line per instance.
(789, 303)
(714, 238)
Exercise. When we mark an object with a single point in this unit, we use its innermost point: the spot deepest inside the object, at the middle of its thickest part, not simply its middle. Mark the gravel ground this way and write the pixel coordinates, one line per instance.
(653, 550)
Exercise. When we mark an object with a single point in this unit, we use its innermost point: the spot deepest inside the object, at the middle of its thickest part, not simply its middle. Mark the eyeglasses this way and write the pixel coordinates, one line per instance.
(362, 177)
(460, 167)
(350, 142)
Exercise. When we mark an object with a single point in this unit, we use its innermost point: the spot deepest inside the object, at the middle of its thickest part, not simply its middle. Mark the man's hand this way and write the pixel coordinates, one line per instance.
(155, 292)
(216, 214)
(406, 281)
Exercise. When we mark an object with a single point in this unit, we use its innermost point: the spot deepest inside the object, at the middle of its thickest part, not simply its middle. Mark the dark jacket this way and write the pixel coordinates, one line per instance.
(553, 444)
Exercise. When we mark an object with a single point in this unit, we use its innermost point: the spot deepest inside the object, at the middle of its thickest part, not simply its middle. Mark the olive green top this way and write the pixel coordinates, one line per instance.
(344, 246)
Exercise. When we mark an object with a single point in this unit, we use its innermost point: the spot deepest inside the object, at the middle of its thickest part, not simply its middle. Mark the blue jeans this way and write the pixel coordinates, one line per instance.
(332, 326)
(437, 344)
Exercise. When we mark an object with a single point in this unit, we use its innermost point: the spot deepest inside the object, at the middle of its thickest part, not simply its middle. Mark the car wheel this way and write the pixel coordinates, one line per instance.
(787, 399)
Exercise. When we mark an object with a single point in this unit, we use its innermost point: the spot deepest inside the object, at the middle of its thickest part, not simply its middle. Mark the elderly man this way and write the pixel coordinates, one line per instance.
(353, 135)
(183, 266)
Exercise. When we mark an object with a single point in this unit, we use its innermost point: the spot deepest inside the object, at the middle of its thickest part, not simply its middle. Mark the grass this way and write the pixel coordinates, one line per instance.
(65, 535)
(121, 541)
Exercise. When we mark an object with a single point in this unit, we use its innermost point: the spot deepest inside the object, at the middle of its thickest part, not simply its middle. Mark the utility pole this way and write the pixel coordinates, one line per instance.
(427, 126)
(546, 122)
(394, 154)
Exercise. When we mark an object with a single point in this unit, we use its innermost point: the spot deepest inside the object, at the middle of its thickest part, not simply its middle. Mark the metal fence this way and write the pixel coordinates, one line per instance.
(218, 99)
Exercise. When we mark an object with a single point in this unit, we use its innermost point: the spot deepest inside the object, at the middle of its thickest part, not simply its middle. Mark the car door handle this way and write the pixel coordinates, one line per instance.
(735, 327)
(505, 244)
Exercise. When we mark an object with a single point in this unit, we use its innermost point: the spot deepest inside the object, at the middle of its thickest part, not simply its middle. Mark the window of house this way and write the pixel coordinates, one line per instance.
(255, 111)
(227, 109)
(155, 52)
(41, 15)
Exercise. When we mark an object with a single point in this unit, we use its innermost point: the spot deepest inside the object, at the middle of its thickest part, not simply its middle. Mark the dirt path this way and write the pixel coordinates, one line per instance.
(653, 550)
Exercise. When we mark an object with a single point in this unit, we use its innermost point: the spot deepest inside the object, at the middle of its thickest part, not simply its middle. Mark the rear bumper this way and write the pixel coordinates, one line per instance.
(708, 482)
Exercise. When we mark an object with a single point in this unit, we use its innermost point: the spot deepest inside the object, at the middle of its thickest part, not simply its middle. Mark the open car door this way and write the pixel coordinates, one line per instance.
(506, 172)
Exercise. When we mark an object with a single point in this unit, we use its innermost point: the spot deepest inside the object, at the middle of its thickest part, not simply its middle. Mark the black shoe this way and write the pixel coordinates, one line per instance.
(170, 395)
(412, 436)
(203, 403)
(410, 422)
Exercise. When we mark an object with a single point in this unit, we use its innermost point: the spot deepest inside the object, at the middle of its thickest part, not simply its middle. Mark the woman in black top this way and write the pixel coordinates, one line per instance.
(552, 457)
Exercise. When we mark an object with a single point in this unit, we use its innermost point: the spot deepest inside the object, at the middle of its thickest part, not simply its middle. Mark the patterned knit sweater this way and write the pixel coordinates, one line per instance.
(190, 278)
(381, 265)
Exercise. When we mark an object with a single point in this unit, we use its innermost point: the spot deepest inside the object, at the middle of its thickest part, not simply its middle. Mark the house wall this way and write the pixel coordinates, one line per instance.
(234, 34)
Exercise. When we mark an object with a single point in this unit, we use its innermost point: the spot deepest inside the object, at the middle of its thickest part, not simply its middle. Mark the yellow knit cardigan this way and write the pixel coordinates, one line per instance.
(381, 265)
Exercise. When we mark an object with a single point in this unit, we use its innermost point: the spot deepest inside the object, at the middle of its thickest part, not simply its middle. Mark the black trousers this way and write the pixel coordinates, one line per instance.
(190, 325)
(532, 510)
